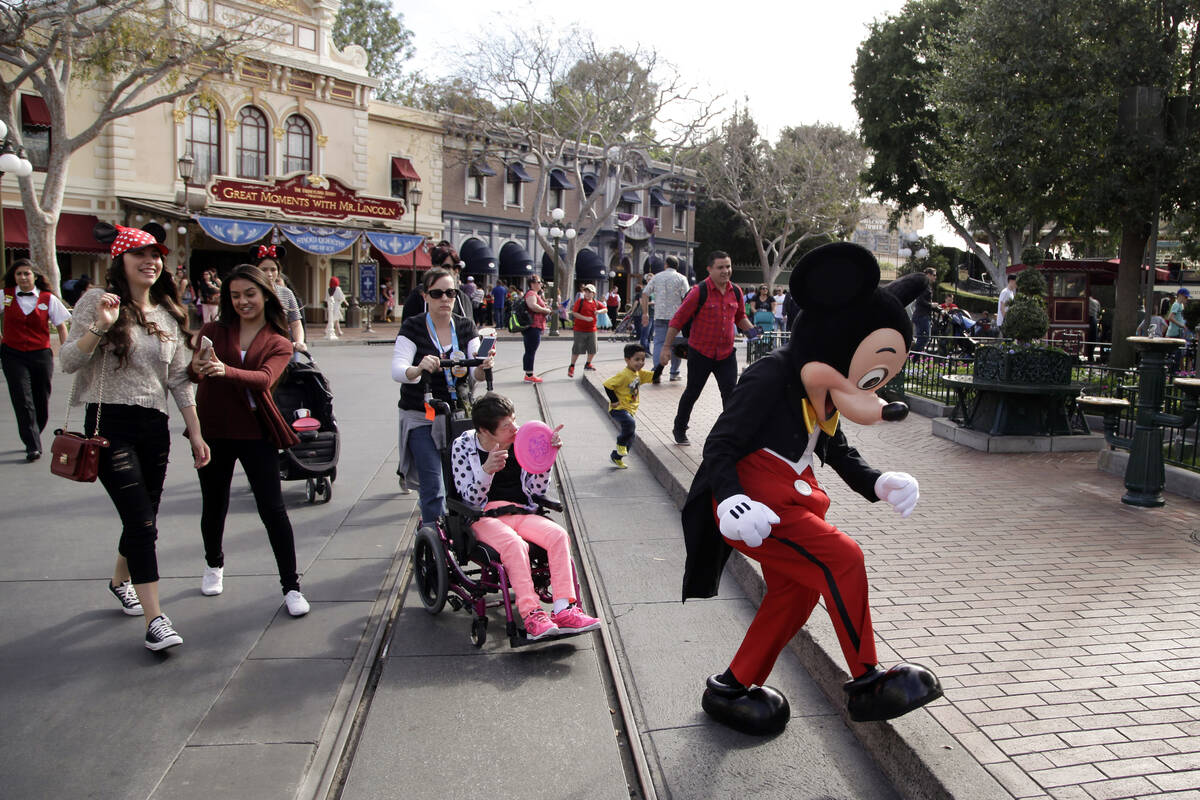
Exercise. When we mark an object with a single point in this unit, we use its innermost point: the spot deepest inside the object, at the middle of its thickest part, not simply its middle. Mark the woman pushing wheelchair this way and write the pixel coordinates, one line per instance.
(488, 475)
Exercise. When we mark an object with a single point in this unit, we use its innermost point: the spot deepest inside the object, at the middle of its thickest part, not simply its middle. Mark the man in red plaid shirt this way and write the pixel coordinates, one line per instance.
(710, 342)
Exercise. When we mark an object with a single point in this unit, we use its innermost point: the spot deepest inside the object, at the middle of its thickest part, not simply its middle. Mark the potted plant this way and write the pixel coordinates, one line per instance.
(1025, 359)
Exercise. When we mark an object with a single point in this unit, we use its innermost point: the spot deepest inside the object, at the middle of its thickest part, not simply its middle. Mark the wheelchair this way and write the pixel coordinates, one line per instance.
(450, 566)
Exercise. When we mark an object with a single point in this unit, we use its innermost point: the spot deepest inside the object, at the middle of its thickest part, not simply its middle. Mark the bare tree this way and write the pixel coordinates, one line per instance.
(135, 54)
(803, 187)
(567, 104)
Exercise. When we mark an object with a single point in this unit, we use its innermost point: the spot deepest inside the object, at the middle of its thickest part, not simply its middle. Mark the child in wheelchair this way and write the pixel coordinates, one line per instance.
(487, 475)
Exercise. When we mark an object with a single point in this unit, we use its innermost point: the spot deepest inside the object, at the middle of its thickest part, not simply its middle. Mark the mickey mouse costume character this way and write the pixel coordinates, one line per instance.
(756, 489)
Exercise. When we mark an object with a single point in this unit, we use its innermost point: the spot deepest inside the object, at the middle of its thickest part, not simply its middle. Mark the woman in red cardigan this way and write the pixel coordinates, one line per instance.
(239, 419)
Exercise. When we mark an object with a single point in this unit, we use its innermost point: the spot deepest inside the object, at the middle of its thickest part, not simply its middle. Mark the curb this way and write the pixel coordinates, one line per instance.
(921, 759)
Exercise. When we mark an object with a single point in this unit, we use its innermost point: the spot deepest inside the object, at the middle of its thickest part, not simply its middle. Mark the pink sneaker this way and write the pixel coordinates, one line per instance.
(572, 620)
(538, 625)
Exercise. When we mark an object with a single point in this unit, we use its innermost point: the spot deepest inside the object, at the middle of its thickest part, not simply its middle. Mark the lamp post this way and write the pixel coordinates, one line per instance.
(555, 231)
(414, 200)
(15, 162)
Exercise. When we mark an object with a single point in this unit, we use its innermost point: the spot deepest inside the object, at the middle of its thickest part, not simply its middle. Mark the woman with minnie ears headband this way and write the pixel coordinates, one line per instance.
(268, 257)
(130, 349)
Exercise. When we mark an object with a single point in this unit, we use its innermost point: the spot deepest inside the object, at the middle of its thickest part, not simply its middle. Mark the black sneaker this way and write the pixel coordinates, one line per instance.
(680, 437)
(127, 596)
(658, 368)
(161, 634)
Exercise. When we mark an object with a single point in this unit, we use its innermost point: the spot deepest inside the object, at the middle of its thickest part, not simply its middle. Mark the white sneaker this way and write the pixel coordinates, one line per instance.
(297, 606)
(213, 581)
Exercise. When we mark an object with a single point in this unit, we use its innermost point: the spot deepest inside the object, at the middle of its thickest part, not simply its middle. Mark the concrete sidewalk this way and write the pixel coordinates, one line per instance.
(1062, 623)
(254, 703)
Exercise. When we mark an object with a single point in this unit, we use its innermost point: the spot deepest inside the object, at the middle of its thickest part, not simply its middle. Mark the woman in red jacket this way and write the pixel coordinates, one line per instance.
(239, 419)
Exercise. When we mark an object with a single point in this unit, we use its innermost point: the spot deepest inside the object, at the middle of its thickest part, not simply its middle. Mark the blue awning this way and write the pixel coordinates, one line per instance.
(480, 169)
(588, 265)
(631, 196)
(589, 184)
(477, 257)
(657, 198)
(516, 172)
(515, 261)
(559, 180)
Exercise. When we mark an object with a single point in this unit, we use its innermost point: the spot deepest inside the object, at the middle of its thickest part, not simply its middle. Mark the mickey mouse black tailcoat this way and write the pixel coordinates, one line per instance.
(763, 411)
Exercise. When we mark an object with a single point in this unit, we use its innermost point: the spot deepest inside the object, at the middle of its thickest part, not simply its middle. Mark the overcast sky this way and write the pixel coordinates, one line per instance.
(792, 62)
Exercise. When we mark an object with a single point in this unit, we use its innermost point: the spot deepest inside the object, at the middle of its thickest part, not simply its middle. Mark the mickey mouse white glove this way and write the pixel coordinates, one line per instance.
(745, 520)
(898, 489)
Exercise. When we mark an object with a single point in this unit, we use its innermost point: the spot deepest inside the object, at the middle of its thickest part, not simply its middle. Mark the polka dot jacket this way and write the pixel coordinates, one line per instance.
(473, 483)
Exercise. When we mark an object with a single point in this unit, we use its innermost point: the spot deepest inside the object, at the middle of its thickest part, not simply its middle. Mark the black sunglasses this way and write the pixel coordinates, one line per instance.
(438, 294)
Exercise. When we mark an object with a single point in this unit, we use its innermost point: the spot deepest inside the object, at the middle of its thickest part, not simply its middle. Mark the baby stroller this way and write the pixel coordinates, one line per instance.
(306, 403)
(625, 331)
(451, 566)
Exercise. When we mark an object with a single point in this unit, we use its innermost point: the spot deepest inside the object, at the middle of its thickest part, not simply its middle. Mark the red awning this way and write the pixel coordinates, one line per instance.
(405, 261)
(1106, 267)
(403, 169)
(74, 234)
(34, 111)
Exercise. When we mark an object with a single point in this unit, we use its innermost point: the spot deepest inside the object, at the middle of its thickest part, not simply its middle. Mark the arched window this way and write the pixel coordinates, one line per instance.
(252, 144)
(297, 145)
(204, 141)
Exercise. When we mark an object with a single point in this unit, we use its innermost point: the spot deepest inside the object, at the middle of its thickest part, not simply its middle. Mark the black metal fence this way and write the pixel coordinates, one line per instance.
(922, 376)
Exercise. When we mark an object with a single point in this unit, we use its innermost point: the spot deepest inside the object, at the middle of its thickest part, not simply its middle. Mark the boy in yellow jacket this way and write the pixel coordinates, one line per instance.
(622, 391)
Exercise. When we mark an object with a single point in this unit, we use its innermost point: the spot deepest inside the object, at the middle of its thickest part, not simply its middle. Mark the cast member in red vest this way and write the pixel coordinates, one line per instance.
(29, 311)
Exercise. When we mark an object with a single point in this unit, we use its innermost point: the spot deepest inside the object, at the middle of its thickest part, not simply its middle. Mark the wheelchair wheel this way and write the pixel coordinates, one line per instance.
(429, 570)
(479, 631)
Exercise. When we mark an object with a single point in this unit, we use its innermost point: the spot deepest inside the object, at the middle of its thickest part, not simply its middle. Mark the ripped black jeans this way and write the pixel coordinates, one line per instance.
(132, 470)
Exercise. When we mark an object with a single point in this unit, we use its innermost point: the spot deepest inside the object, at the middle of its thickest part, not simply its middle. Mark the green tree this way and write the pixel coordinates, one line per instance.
(1071, 113)
(804, 186)
(134, 54)
(372, 25)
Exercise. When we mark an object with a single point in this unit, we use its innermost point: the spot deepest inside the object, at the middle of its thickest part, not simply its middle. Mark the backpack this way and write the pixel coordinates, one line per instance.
(520, 312)
(686, 330)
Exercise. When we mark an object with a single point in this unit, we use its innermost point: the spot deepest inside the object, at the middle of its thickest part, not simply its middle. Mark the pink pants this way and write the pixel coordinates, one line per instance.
(509, 536)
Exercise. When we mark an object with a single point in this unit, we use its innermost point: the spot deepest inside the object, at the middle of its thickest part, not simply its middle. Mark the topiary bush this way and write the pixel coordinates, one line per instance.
(1033, 256)
(1027, 320)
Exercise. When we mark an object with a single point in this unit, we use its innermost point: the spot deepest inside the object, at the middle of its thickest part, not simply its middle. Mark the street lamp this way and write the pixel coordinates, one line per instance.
(908, 242)
(15, 162)
(554, 231)
(414, 200)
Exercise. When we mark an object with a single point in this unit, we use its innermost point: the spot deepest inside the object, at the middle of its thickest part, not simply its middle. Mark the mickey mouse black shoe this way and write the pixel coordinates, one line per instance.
(760, 711)
(881, 694)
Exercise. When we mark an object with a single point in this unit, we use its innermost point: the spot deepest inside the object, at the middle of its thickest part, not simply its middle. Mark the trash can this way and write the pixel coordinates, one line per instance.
(353, 314)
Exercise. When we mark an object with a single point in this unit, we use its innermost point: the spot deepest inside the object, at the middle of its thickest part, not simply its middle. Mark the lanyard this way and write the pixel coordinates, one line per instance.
(453, 349)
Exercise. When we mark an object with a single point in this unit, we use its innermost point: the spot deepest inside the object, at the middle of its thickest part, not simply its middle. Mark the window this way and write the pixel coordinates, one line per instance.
(297, 145)
(556, 196)
(400, 188)
(680, 217)
(35, 130)
(203, 137)
(252, 144)
(475, 188)
(512, 192)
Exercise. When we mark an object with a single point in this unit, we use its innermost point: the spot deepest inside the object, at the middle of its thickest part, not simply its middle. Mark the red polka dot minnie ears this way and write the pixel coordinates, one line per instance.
(121, 239)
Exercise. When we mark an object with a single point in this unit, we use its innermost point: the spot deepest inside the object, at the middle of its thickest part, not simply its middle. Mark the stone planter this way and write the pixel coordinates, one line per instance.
(996, 364)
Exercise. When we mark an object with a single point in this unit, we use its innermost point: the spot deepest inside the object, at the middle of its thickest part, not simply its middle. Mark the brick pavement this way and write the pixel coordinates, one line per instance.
(1062, 623)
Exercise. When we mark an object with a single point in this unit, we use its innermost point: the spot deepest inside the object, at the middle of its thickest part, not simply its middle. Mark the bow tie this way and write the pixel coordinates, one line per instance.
(24, 294)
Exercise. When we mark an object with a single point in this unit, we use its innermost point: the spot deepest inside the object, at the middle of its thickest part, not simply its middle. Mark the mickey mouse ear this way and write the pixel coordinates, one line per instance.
(833, 275)
(157, 231)
(104, 233)
(908, 288)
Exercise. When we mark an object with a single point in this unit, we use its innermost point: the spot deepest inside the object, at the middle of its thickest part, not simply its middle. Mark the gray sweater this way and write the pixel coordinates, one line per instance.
(154, 366)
